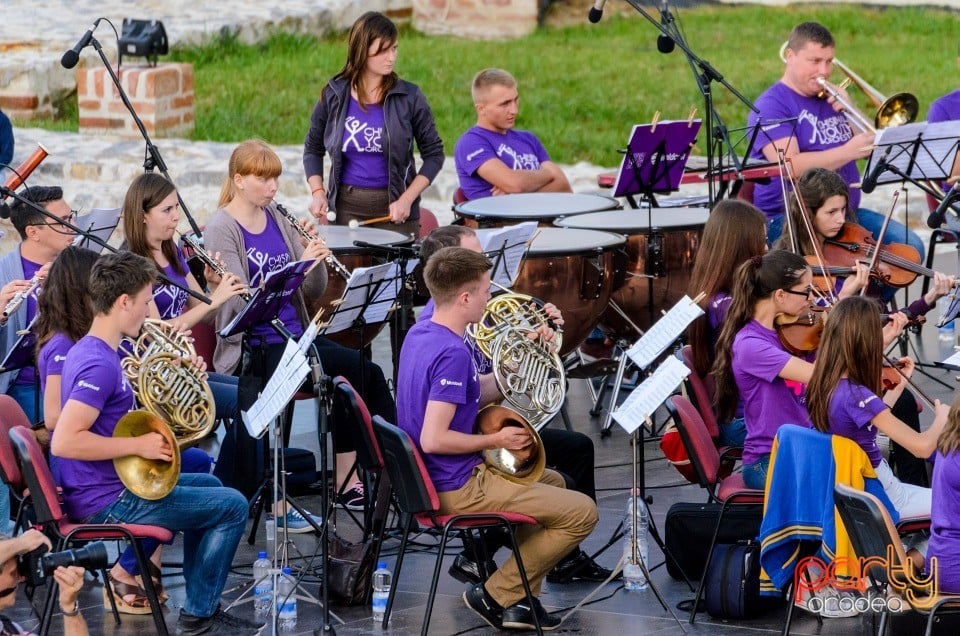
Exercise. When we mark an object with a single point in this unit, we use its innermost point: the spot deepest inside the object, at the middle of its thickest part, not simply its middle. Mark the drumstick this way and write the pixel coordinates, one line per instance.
(377, 219)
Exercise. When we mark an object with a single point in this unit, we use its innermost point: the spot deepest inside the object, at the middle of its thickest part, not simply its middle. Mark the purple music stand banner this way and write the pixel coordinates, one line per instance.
(656, 157)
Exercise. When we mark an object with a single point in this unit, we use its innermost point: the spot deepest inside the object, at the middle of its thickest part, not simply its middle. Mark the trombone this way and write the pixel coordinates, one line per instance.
(896, 110)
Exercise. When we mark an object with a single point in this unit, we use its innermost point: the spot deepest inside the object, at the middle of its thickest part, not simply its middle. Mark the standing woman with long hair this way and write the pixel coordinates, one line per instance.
(843, 398)
(735, 231)
(368, 120)
(752, 365)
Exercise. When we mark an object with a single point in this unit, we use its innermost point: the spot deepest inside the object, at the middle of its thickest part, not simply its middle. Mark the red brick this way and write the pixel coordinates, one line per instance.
(89, 104)
(186, 80)
(98, 82)
(100, 122)
(81, 82)
(184, 101)
(19, 102)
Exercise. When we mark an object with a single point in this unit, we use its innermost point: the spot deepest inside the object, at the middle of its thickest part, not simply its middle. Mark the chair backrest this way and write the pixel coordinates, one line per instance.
(350, 410)
(11, 416)
(204, 341)
(411, 483)
(869, 527)
(459, 197)
(428, 221)
(703, 392)
(36, 474)
(700, 447)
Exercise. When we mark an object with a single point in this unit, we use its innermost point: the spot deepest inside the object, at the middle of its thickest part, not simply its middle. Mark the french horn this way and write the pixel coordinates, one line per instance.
(530, 375)
(177, 403)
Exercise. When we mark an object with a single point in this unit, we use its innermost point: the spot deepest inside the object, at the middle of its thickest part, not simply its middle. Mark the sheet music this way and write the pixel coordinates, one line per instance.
(935, 145)
(953, 362)
(506, 246)
(280, 389)
(278, 286)
(663, 332)
(647, 398)
(384, 278)
(101, 222)
(668, 141)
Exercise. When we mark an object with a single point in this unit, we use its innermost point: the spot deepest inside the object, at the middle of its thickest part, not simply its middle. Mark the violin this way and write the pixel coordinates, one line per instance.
(898, 264)
(890, 376)
(801, 334)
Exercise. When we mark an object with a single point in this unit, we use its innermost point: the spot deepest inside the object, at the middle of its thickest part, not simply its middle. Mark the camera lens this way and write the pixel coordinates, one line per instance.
(89, 557)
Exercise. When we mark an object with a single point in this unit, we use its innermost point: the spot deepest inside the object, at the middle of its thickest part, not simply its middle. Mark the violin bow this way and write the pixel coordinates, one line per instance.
(923, 396)
(883, 232)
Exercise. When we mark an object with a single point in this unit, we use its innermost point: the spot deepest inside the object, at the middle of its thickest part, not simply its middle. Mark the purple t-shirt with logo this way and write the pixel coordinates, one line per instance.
(28, 374)
(518, 149)
(717, 310)
(364, 164)
(266, 252)
(92, 375)
(852, 406)
(814, 124)
(758, 359)
(171, 301)
(436, 364)
(484, 364)
(946, 108)
(52, 356)
(945, 521)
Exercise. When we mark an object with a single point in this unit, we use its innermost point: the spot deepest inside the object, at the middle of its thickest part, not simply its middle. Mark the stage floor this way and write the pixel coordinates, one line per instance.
(614, 611)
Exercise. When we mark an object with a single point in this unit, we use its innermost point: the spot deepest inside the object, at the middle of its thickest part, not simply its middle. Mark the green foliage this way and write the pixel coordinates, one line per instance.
(582, 87)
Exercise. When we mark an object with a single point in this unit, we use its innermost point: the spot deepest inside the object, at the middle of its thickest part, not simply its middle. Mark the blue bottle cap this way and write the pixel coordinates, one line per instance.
(286, 570)
(262, 555)
(381, 565)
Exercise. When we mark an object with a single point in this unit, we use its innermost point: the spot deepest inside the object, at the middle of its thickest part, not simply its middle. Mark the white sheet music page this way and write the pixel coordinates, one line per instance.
(280, 389)
(647, 398)
(380, 280)
(512, 240)
(953, 362)
(663, 332)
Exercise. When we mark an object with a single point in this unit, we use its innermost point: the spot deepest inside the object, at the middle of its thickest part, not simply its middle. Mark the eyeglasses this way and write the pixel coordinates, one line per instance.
(809, 291)
(70, 218)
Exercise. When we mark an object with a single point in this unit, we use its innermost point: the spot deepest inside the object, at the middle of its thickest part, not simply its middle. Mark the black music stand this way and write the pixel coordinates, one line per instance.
(916, 153)
(506, 247)
(100, 223)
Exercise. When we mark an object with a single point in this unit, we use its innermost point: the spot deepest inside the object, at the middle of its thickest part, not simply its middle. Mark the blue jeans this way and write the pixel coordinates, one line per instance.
(755, 475)
(224, 389)
(733, 432)
(212, 519)
(26, 396)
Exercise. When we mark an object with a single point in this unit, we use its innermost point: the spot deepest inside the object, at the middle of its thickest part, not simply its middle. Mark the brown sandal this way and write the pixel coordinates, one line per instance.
(157, 577)
(140, 604)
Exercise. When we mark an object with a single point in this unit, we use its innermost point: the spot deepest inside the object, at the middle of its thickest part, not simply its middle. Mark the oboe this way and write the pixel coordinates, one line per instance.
(21, 296)
(331, 260)
(209, 260)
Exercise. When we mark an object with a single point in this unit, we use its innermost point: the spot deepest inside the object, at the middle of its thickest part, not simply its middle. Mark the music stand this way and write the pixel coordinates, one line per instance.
(21, 356)
(100, 223)
(506, 247)
(915, 152)
(654, 159)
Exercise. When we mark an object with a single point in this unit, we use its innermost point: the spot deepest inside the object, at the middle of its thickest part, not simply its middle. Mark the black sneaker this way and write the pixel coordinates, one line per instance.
(467, 570)
(580, 567)
(352, 498)
(520, 616)
(219, 623)
(483, 605)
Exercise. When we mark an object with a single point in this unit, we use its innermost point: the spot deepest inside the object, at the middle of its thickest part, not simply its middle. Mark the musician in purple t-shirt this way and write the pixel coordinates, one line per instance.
(439, 393)
(816, 134)
(95, 395)
(492, 157)
(947, 108)
(945, 510)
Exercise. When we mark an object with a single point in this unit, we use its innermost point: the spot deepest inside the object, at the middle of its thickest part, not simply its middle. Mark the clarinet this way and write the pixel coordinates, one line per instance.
(331, 260)
(18, 298)
(209, 260)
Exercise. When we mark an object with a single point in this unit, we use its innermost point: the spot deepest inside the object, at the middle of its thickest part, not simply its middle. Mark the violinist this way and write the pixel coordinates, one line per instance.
(843, 398)
(824, 195)
(752, 365)
(735, 231)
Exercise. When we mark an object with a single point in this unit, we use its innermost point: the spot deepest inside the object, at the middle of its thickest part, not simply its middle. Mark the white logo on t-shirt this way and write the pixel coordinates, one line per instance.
(59, 358)
(445, 382)
(86, 385)
(863, 403)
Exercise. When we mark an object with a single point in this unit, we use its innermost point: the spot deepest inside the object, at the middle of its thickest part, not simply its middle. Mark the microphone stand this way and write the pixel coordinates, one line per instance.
(92, 236)
(705, 74)
(152, 158)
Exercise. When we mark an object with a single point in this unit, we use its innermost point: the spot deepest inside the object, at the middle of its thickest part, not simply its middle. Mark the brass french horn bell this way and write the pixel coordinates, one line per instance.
(146, 478)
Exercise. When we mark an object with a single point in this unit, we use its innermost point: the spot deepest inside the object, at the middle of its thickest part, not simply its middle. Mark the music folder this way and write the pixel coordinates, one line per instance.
(278, 287)
(655, 157)
(22, 354)
(99, 222)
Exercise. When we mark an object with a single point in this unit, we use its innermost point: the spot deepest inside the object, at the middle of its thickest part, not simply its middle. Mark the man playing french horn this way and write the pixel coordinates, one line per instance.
(95, 395)
(439, 393)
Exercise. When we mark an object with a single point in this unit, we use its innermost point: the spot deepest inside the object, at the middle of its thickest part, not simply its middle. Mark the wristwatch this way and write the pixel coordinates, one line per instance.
(74, 612)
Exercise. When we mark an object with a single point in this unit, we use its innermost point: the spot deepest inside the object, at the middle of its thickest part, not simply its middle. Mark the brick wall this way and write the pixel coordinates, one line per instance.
(161, 95)
(478, 19)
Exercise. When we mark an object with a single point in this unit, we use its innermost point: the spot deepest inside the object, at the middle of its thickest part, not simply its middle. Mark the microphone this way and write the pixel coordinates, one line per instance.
(71, 57)
(596, 11)
(665, 43)
(869, 183)
(935, 219)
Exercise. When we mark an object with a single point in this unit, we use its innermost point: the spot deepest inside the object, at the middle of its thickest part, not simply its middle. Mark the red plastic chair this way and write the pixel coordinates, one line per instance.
(428, 222)
(703, 389)
(419, 504)
(51, 518)
(11, 416)
(707, 462)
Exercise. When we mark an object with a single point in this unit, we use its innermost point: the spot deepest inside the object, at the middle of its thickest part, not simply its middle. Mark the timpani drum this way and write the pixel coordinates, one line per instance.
(574, 270)
(542, 207)
(339, 239)
(668, 256)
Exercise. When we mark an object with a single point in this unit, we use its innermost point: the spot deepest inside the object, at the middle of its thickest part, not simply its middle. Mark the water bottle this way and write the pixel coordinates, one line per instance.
(262, 585)
(381, 591)
(286, 602)
(271, 531)
(945, 332)
(633, 578)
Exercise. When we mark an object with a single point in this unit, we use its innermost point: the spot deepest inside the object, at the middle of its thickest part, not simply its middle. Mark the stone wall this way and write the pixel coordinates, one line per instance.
(480, 19)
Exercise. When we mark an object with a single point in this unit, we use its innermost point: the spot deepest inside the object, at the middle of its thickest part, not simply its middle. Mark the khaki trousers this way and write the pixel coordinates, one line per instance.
(361, 204)
(566, 518)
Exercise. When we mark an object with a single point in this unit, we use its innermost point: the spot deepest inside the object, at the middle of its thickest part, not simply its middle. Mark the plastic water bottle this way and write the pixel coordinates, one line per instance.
(286, 602)
(382, 579)
(271, 532)
(945, 332)
(262, 585)
(633, 578)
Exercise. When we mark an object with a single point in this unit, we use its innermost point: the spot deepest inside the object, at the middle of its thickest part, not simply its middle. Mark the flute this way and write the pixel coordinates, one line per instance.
(18, 298)
(209, 260)
(331, 260)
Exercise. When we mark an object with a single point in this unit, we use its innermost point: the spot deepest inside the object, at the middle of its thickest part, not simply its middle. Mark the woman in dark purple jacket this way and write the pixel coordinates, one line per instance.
(368, 119)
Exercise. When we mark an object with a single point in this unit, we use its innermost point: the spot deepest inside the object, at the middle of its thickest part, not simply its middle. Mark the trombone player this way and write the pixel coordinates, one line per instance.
(816, 134)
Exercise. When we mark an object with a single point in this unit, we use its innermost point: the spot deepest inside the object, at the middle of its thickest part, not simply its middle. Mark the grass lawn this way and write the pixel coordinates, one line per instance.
(582, 86)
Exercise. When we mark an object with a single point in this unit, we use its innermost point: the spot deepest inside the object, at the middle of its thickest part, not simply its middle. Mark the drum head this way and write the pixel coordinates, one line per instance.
(637, 221)
(559, 241)
(535, 205)
(340, 238)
